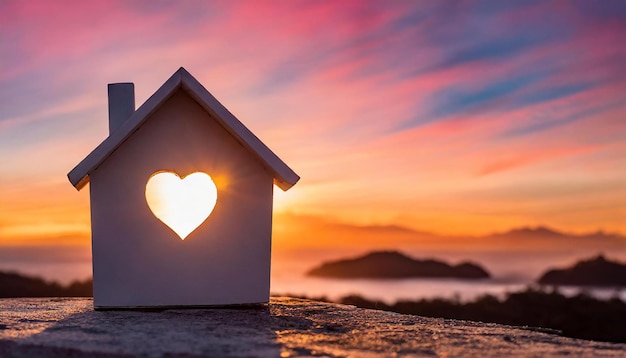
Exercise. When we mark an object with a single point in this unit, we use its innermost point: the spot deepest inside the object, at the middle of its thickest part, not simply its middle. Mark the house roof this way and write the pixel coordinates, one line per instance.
(284, 177)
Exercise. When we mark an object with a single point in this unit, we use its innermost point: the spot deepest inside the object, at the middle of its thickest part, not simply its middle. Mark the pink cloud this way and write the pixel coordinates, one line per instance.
(508, 162)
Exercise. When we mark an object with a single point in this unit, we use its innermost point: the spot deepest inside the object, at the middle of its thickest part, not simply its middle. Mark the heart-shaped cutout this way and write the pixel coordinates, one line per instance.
(182, 204)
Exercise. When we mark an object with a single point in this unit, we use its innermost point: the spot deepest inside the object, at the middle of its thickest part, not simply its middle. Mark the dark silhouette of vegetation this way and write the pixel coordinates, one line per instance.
(580, 316)
(393, 264)
(597, 271)
(17, 285)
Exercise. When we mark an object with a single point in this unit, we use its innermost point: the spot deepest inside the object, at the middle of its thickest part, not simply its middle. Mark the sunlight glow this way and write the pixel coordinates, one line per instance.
(182, 204)
(284, 200)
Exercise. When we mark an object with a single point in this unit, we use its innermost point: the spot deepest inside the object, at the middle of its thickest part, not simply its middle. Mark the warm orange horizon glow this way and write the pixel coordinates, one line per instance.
(182, 204)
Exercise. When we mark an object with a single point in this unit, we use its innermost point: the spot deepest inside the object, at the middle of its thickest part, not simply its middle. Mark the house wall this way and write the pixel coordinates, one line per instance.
(139, 261)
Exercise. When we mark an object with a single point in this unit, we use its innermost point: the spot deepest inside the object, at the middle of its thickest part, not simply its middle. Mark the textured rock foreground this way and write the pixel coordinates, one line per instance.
(287, 327)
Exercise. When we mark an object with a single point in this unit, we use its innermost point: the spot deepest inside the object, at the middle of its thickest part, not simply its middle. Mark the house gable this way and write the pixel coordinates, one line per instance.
(284, 177)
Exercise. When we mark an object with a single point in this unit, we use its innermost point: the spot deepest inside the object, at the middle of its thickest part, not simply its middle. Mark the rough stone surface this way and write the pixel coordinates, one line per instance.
(286, 327)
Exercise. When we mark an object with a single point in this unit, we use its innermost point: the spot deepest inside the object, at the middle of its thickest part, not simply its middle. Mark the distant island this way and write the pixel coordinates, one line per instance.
(393, 264)
(17, 285)
(596, 271)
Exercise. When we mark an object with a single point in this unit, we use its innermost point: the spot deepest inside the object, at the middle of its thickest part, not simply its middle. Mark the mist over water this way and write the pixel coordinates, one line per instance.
(511, 271)
(519, 266)
(61, 272)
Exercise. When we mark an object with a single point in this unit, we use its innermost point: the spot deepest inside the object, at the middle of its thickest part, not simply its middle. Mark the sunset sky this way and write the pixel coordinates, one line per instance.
(452, 117)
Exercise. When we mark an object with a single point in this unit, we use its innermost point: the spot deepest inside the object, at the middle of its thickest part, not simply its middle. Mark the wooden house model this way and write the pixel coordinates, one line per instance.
(181, 159)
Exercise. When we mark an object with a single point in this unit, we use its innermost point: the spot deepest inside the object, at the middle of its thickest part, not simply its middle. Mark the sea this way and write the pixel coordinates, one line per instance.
(289, 278)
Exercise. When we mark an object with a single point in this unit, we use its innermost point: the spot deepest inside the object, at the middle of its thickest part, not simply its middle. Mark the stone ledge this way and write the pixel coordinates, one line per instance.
(286, 327)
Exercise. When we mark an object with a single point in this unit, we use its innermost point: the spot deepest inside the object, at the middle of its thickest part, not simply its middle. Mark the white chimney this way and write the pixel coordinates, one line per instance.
(121, 103)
